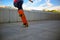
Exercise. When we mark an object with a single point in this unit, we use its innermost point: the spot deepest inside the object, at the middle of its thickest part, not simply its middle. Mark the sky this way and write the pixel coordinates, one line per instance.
(37, 4)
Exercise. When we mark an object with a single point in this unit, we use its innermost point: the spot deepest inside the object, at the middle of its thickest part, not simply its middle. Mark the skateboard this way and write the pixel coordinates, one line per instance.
(23, 17)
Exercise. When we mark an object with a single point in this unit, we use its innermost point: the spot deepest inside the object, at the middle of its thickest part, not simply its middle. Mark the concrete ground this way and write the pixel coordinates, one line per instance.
(37, 30)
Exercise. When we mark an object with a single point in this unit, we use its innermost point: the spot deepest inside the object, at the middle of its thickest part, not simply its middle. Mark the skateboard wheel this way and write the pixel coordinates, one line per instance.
(26, 25)
(20, 15)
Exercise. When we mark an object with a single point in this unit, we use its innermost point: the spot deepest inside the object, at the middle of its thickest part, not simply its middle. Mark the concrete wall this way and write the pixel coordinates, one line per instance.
(11, 15)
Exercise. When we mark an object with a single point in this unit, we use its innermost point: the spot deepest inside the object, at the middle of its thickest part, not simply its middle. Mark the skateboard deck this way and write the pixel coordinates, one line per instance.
(23, 17)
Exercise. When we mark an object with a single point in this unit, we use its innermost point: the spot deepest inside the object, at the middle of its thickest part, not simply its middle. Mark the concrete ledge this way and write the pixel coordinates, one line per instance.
(11, 15)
